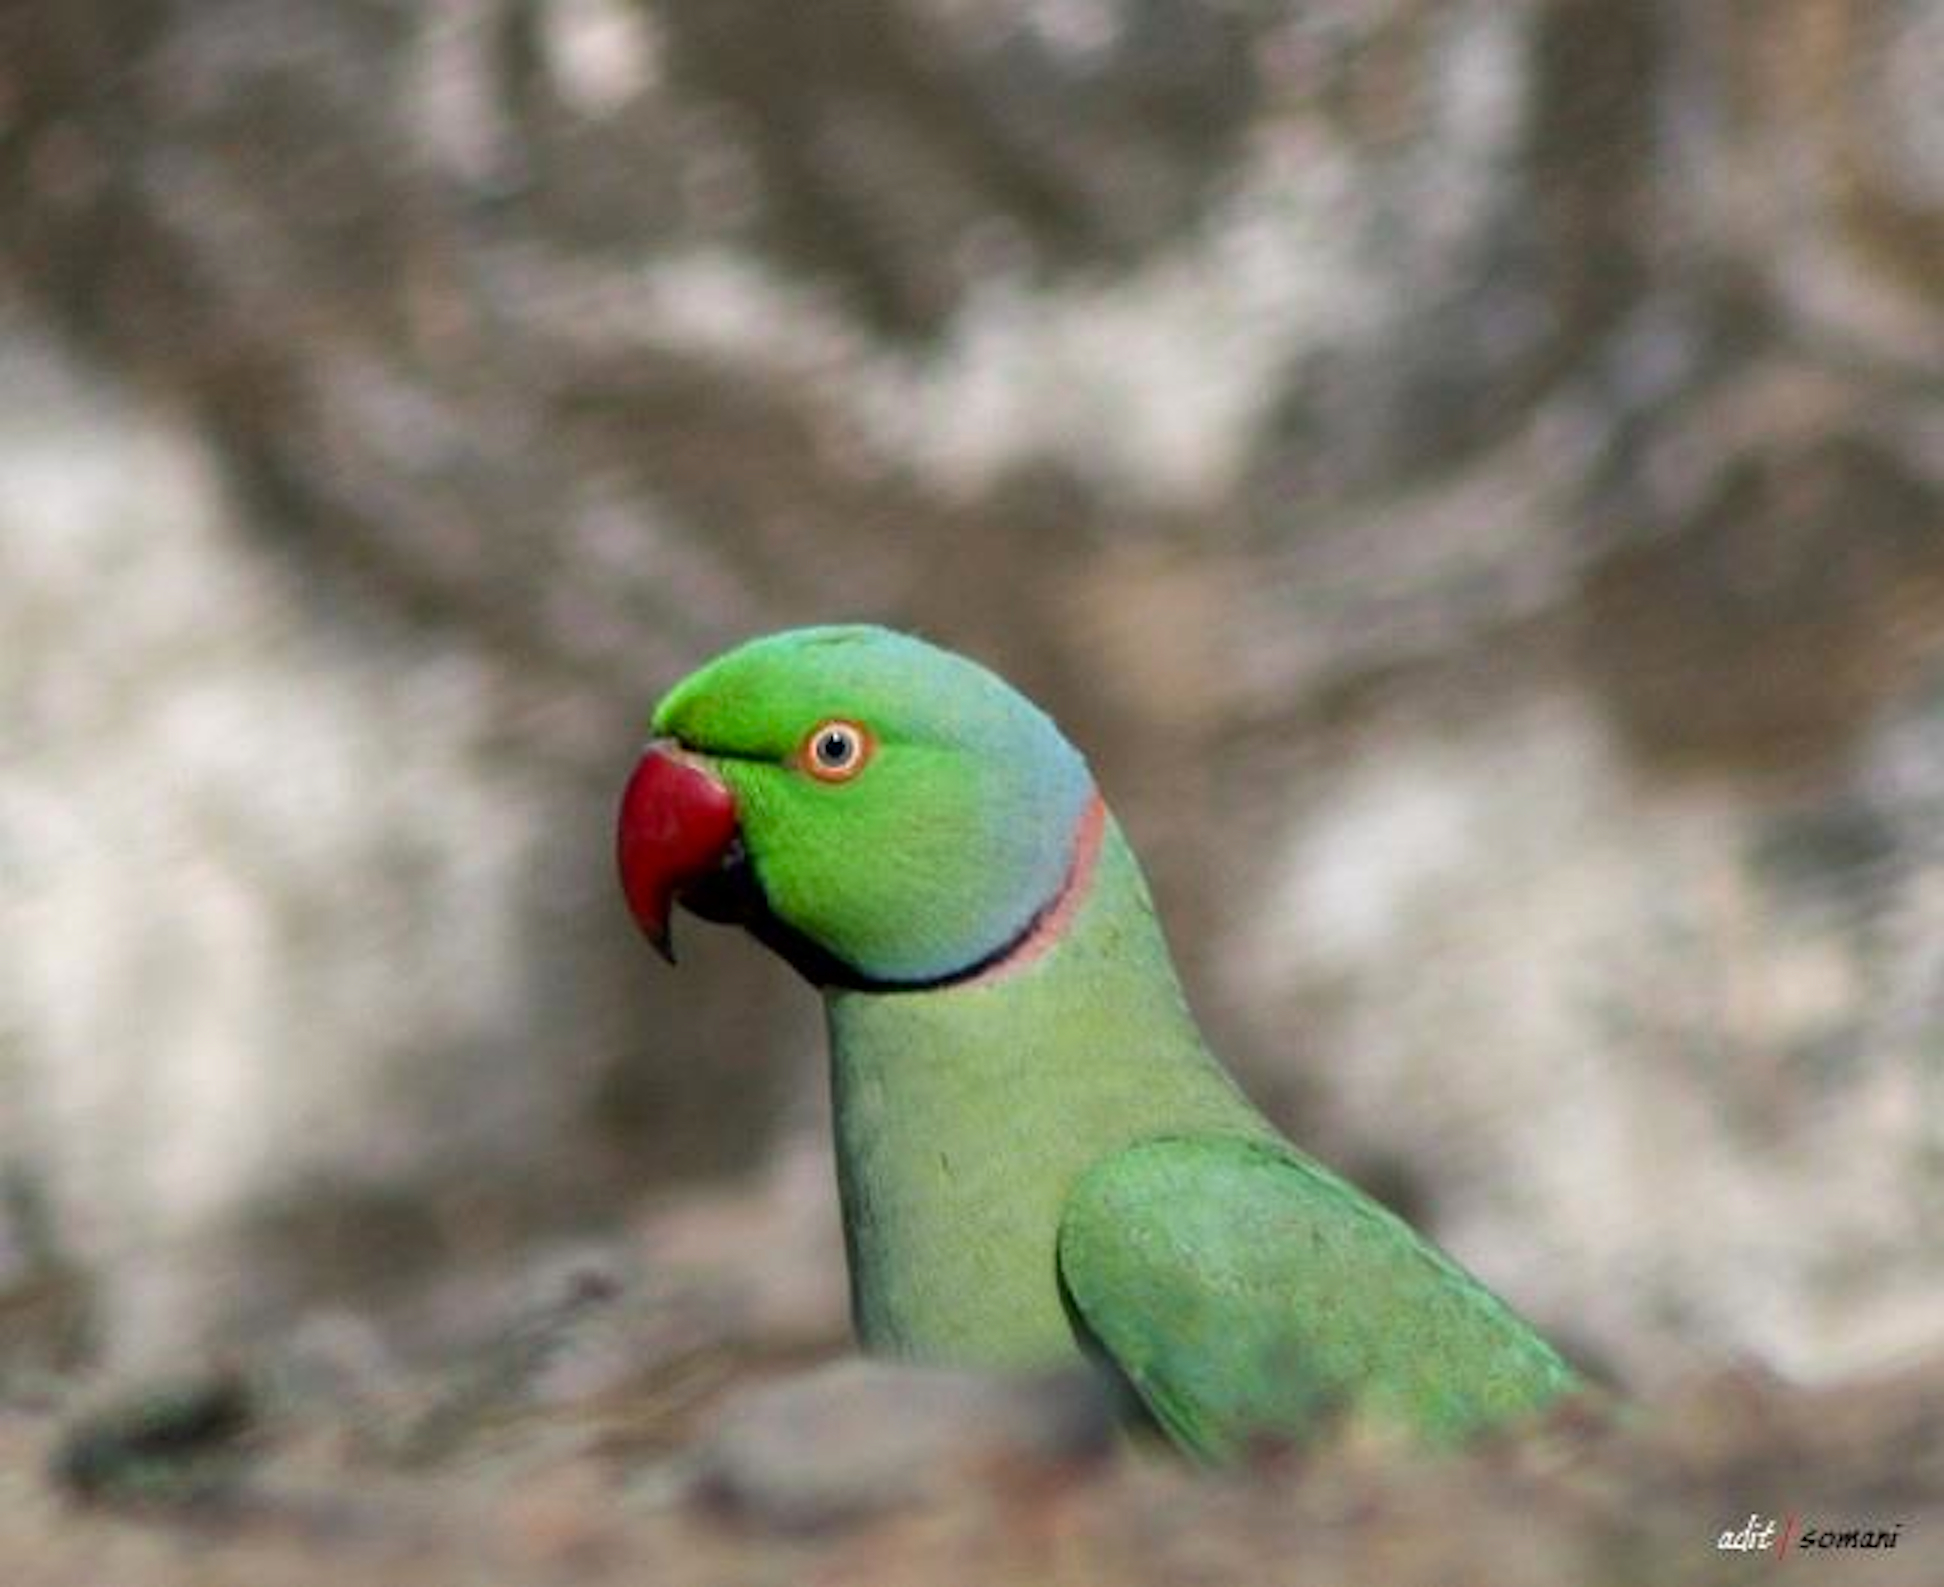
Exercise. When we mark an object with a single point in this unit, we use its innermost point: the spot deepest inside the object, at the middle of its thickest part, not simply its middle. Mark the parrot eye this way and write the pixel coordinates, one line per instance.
(836, 751)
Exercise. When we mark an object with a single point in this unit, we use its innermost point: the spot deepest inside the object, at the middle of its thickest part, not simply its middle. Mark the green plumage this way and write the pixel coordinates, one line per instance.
(1246, 1290)
(965, 1116)
(1044, 1161)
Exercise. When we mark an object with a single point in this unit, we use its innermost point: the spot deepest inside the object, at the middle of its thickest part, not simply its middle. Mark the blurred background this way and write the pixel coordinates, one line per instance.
(1471, 476)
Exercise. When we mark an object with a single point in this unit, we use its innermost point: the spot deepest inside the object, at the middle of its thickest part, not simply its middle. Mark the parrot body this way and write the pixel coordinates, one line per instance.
(951, 1242)
(1037, 1155)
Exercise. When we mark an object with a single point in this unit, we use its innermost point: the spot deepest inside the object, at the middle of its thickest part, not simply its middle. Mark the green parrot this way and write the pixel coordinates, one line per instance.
(1038, 1157)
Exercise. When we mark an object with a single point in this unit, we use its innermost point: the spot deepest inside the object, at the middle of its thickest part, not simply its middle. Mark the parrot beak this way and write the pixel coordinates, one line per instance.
(677, 826)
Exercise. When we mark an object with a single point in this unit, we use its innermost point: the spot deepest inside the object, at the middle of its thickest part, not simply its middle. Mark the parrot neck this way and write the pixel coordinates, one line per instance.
(1051, 925)
(965, 1112)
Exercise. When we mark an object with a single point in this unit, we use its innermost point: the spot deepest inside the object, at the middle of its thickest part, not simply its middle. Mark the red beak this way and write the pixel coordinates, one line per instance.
(677, 822)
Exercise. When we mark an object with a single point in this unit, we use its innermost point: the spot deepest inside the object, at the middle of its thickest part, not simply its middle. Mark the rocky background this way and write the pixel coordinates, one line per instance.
(1470, 474)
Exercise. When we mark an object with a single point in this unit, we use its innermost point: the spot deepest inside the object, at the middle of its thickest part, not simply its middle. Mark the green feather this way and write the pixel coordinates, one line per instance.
(1246, 1291)
(1044, 1162)
(964, 1117)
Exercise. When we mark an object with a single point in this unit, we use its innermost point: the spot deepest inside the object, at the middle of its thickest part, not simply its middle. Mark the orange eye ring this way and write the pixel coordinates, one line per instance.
(837, 750)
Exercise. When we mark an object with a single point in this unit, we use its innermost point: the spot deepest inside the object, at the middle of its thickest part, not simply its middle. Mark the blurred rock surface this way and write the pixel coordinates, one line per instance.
(1584, 1498)
(857, 1439)
(1472, 475)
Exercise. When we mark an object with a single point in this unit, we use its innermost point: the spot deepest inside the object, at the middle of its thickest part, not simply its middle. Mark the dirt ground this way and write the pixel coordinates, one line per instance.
(719, 1467)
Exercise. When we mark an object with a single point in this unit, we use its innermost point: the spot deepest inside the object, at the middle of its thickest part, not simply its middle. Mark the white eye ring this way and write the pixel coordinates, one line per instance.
(835, 751)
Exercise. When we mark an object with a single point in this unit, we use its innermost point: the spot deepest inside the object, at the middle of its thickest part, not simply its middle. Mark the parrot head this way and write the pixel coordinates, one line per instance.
(879, 811)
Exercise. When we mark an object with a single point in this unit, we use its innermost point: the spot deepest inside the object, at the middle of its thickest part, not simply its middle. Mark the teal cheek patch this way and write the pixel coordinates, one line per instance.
(1007, 863)
(921, 870)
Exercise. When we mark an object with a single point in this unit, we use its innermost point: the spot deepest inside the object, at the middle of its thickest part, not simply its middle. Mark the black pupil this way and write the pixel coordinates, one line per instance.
(833, 748)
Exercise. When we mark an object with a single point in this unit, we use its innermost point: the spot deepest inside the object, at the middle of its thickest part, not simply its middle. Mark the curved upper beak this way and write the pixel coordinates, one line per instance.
(677, 825)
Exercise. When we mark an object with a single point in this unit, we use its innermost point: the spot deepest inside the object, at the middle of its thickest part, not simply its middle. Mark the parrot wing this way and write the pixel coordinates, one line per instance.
(1246, 1292)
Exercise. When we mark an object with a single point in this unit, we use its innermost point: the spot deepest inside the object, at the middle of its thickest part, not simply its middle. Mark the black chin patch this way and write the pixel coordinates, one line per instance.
(731, 895)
